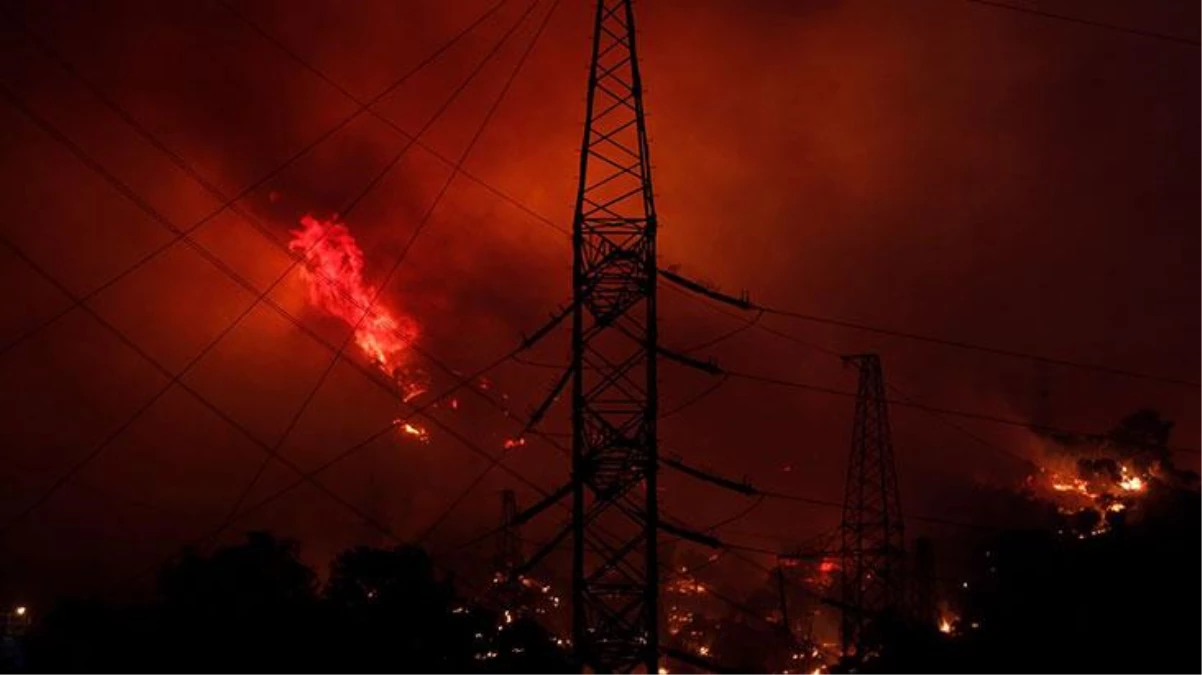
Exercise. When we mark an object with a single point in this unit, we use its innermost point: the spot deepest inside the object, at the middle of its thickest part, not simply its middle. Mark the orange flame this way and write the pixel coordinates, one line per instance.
(334, 271)
(1130, 483)
(1095, 482)
(418, 433)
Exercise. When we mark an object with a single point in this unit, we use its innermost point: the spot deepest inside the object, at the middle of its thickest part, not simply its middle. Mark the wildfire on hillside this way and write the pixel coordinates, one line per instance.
(1093, 491)
(334, 273)
(818, 572)
(1096, 480)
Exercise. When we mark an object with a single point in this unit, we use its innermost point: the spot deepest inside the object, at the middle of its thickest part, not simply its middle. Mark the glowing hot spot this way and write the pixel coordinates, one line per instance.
(412, 430)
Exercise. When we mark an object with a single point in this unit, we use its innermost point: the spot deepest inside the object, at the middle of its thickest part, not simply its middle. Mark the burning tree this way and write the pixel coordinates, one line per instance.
(1097, 481)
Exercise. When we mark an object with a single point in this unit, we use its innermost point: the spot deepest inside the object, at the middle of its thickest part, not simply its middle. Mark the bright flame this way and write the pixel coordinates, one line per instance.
(945, 626)
(511, 443)
(418, 433)
(1071, 485)
(1101, 485)
(21, 610)
(1131, 483)
(334, 271)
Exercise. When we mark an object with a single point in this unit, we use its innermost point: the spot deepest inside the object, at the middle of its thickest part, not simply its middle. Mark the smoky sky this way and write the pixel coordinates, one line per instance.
(935, 166)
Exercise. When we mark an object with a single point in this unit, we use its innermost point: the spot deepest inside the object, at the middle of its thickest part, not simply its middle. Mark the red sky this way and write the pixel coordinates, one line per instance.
(940, 167)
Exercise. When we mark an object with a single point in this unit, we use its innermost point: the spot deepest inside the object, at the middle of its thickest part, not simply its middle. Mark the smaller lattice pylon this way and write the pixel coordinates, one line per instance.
(509, 540)
(871, 533)
(924, 604)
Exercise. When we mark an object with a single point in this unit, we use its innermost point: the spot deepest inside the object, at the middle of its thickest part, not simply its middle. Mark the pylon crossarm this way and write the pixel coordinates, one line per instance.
(556, 319)
(697, 364)
(742, 302)
(743, 487)
(541, 411)
(691, 535)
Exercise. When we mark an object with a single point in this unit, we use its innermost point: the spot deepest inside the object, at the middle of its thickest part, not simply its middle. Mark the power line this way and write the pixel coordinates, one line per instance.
(311, 476)
(694, 399)
(108, 494)
(188, 168)
(472, 76)
(781, 382)
(372, 521)
(475, 138)
(126, 191)
(184, 165)
(1086, 22)
(338, 355)
(308, 65)
(826, 503)
(738, 515)
(960, 344)
(493, 460)
(1024, 425)
(906, 400)
(172, 378)
(992, 447)
(724, 336)
(463, 158)
(230, 203)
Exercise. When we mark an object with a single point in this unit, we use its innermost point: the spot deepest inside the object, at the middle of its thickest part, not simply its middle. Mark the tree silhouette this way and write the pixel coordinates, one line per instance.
(256, 607)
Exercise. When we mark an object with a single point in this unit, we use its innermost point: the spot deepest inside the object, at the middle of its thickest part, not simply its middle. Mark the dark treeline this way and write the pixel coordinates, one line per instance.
(1060, 595)
(1040, 601)
(256, 607)
(1043, 600)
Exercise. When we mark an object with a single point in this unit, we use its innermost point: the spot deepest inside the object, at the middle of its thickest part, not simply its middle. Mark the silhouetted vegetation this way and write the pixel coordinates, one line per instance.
(1048, 601)
(257, 608)
(1075, 591)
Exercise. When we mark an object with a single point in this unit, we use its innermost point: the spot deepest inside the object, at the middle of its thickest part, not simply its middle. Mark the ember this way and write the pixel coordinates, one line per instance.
(414, 431)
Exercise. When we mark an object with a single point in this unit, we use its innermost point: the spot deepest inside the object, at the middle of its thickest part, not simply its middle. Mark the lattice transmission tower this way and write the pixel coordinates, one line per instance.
(872, 536)
(614, 349)
(509, 539)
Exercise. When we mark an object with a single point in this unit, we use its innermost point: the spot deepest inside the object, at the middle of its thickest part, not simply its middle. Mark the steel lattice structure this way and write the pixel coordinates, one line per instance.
(614, 347)
(873, 540)
(509, 541)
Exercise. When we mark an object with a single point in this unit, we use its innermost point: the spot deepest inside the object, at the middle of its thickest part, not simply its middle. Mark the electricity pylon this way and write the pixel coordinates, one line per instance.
(614, 347)
(509, 541)
(873, 541)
